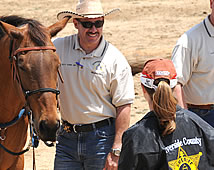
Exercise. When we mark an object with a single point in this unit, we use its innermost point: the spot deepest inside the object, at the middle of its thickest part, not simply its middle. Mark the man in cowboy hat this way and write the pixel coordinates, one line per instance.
(96, 96)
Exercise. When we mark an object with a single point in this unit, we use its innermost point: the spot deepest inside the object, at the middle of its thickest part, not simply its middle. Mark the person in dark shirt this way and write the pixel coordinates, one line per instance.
(168, 137)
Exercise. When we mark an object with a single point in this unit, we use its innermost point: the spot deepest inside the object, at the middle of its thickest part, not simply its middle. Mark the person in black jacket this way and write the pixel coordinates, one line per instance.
(168, 137)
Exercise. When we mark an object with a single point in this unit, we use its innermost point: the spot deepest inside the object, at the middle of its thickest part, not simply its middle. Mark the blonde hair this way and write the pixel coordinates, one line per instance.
(164, 105)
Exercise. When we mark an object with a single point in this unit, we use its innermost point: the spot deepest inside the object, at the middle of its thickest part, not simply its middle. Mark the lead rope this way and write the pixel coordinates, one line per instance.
(34, 160)
(34, 139)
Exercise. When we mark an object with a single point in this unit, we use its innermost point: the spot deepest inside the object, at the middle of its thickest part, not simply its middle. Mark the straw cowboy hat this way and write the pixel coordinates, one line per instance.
(86, 9)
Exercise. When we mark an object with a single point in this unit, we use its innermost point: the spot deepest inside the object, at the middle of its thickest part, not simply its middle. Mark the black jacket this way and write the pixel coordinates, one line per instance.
(190, 146)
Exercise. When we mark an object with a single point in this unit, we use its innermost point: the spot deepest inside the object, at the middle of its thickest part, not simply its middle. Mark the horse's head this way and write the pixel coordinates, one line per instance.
(36, 64)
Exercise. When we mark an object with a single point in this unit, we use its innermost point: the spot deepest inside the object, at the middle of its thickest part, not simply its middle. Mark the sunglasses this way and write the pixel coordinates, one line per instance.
(88, 24)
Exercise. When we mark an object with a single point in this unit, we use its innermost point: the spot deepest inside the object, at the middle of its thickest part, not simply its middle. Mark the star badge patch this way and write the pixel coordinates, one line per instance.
(185, 162)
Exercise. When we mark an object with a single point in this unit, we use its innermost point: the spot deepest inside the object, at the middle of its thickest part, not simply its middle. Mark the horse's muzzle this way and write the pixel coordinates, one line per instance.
(48, 131)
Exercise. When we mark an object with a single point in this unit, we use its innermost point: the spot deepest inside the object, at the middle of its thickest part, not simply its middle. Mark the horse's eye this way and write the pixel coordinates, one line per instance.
(20, 60)
(23, 53)
(20, 63)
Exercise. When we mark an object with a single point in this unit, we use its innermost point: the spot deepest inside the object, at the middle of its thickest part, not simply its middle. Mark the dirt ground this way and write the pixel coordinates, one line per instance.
(145, 29)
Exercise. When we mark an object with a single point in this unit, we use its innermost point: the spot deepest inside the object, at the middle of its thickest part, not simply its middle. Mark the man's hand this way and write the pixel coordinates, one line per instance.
(121, 124)
(111, 162)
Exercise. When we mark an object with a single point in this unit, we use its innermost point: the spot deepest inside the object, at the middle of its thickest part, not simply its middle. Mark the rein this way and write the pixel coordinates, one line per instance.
(11, 123)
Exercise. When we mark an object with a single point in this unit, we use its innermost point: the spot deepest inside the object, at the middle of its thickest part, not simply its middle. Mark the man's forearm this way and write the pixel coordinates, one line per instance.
(178, 92)
(121, 124)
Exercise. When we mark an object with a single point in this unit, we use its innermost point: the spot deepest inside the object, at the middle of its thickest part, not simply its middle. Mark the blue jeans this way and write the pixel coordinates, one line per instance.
(207, 115)
(85, 150)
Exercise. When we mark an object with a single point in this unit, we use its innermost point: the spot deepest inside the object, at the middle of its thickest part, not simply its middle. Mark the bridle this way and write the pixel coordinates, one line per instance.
(13, 56)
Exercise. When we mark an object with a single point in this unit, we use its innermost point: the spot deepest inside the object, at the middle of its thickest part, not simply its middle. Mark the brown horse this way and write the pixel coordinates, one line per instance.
(28, 77)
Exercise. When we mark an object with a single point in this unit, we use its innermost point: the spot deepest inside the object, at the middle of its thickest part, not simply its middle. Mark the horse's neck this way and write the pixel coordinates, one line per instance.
(11, 101)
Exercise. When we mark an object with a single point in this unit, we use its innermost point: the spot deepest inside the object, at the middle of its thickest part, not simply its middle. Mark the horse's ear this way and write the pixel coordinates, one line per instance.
(11, 30)
(58, 26)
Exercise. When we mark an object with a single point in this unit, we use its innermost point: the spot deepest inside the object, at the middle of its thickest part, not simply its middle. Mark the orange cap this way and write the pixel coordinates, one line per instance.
(158, 68)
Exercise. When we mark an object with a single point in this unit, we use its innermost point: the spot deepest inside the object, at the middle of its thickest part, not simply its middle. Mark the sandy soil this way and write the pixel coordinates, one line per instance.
(145, 29)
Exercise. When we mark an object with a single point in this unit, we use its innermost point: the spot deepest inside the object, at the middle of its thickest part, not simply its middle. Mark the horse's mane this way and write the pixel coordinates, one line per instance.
(36, 30)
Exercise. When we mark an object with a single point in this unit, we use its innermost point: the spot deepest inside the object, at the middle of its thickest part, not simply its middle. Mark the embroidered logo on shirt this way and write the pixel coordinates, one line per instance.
(97, 66)
(185, 162)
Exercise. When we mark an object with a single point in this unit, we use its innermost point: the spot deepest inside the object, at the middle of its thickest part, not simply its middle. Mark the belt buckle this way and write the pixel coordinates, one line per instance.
(74, 128)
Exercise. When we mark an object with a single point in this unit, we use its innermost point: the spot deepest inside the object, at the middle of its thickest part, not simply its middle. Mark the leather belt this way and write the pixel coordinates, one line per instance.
(85, 127)
(208, 106)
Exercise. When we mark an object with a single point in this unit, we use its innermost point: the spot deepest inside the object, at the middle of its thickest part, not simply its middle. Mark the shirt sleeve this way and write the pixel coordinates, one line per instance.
(183, 59)
(122, 85)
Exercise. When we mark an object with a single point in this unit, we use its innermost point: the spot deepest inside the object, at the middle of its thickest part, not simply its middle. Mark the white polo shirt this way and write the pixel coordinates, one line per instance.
(193, 57)
(94, 84)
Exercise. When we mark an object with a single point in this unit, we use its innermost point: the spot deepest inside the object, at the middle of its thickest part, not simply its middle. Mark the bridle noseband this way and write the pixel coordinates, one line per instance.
(42, 90)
